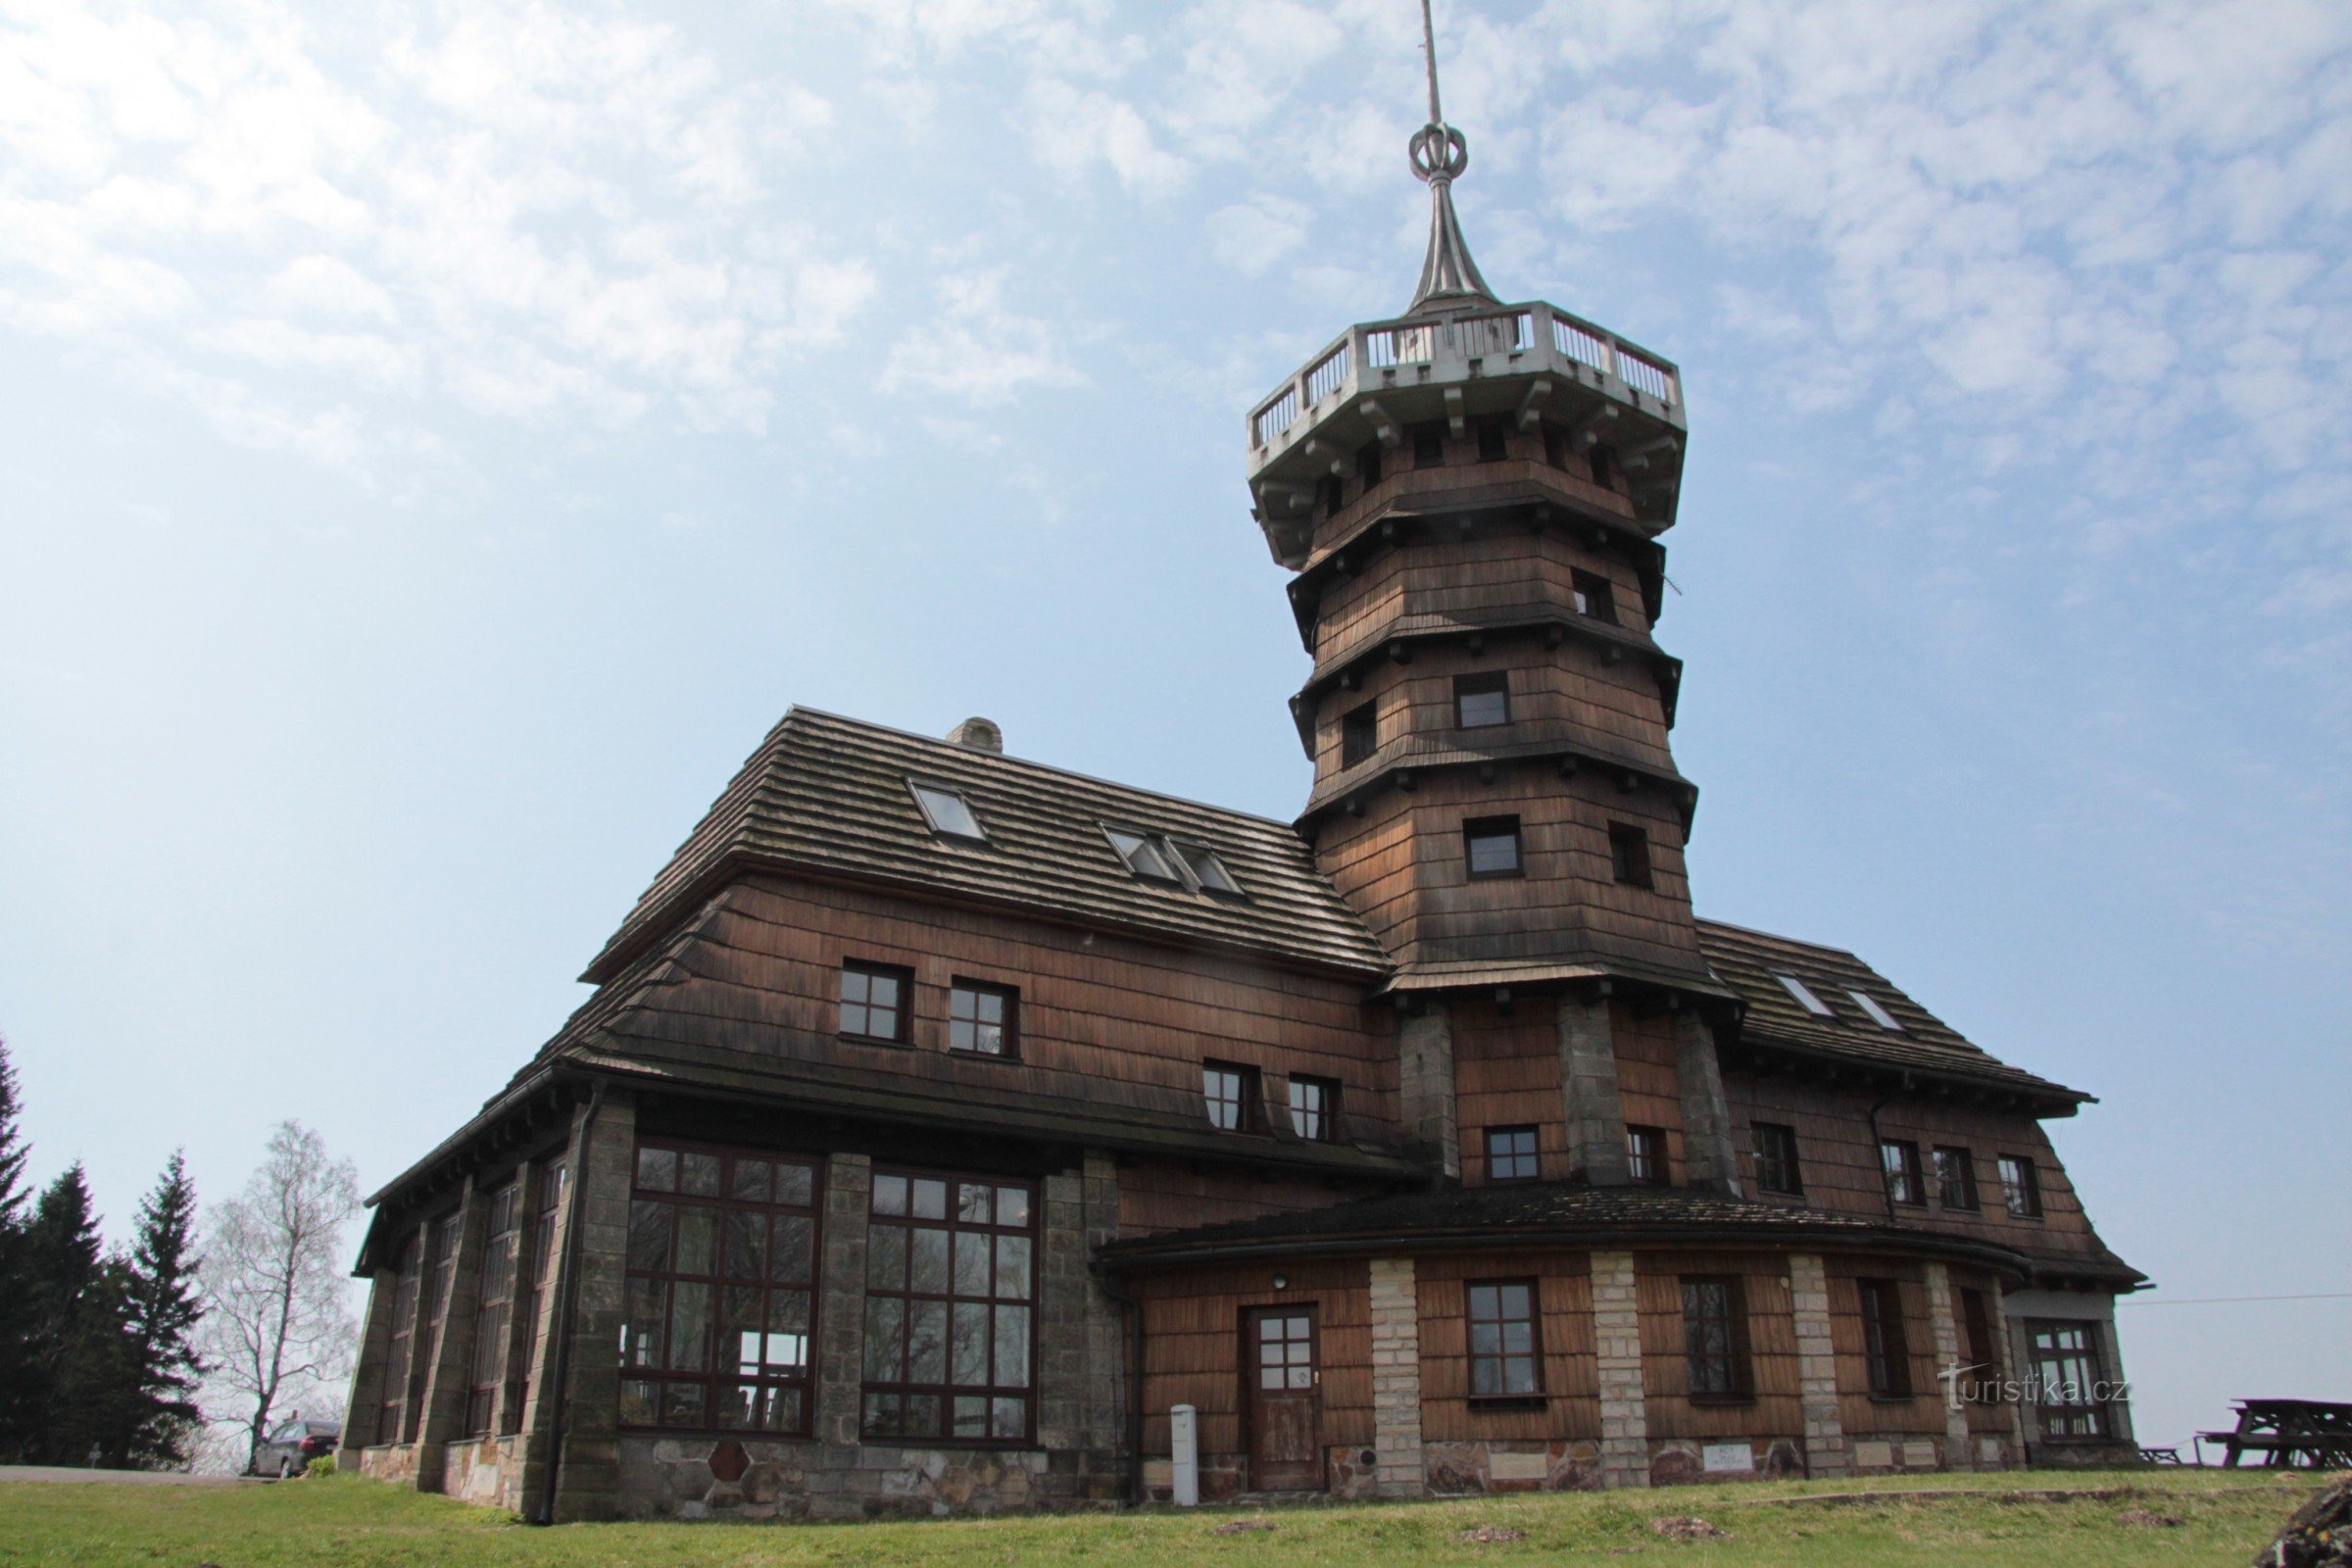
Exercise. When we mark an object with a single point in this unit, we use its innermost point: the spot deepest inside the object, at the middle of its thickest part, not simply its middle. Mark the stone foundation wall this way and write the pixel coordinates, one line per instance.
(702, 1478)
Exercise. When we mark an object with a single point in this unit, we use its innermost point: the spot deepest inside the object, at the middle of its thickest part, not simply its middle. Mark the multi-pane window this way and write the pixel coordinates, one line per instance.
(982, 1018)
(494, 1305)
(715, 1314)
(1314, 1107)
(398, 1356)
(1360, 734)
(1511, 1154)
(1502, 1339)
(1629, 854)
(874, 1002)
(2067, 1378)
(1900, 1159)
(2020, 1187)
(950, 1275)
(1646, 1156)
(1480, 701)
(1227, 1090)
(1594, 596)
(1285, 1352)
(1955, 1178)
(1715, 1336)
(1777, 1169)
(432, 1315)
(543, 1275)
(1491, 846)
(1885, 1352)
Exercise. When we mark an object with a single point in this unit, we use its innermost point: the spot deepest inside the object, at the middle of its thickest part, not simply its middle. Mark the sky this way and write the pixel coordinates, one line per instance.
(438, 440)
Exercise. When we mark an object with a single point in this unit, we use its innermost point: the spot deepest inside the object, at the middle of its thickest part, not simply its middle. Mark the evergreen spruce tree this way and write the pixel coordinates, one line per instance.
(163, 1308)
(18, 1413)
(63, 1251)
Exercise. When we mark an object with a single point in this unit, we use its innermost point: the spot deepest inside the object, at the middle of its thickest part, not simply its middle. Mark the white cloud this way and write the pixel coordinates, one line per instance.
(1252, 235)
(1072, 129)
(978, 351)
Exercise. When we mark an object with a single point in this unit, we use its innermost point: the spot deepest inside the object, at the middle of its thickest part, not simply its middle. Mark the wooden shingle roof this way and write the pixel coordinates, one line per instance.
(1751, 963)
(828, 796)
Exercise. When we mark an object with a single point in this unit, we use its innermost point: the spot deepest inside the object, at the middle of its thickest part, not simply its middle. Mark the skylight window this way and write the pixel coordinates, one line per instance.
(1206, 868)
(1144, 855)
(1877, 1015)
(945, 812)
(1805, 998)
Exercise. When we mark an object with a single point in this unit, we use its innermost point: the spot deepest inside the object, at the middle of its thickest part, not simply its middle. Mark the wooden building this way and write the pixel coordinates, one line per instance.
(940, 1120)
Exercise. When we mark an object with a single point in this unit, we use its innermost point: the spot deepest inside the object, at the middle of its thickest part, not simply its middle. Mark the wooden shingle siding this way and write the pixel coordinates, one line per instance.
(1770, 1328)
(1564, 1318)
(1192, 1341)
(1649, 1085)
(1464, 480)
(1507, 1072)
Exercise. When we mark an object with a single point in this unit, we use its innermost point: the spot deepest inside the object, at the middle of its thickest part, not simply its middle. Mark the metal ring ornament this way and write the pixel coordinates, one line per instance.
(1438, 152)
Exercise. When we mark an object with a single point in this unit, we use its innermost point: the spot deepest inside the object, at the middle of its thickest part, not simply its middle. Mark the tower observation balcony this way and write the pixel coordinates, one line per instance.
(1463, 363)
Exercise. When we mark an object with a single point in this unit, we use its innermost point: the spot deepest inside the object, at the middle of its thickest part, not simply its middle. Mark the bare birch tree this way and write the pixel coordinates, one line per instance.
(277, 1324)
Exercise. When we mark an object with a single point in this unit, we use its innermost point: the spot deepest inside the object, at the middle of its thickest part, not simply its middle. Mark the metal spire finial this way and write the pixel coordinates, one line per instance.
(1439, 155)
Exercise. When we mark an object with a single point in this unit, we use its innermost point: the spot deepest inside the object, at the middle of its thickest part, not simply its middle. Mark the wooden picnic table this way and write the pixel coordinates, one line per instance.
(2304, 1433)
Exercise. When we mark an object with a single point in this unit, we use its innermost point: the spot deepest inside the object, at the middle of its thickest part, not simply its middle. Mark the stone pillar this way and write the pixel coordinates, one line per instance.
(588, 1475)
(1063, 1289)
(1826, 1451)
(539, 1405)
(367, 1396)
(1707, 1152)
(1589, 1091)
(1101, 1428)
(1959, 1446)
(2013, 1369)
(450, 1377)
(1424, 1083)
(1396, 1378)
(1617, 1339)
(841, 1298)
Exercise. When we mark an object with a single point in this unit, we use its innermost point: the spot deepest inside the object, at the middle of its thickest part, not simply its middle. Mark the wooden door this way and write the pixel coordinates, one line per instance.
(1281, 1359)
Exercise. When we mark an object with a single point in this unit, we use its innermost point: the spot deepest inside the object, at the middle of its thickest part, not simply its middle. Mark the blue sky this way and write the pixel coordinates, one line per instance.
(437, 441)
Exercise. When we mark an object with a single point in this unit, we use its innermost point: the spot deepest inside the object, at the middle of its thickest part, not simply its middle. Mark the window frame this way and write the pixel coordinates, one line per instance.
(1359, 733)
(1595, 595)
(1533, 1153)
(1949, 1161)
(1874, 1010)
(1148, 845)
(407, 1286)
(1008, 1026)
(2088, 1356)
(1900, 1170)
(1787, 1154)
(1735, 1355)
(1247, 1096)
(1980, 1342)
(1633, 836)
(923, 788)
(948, 1390)
(1885, 1339)
(719, 1374)
(1204, 869)
(496, 1281)
(1482, 683)
(1326, 1114)
(1647, 1160)
(2029, 1190)
(872, 971)
(1504, 1396)
(1492, 827)
(1804, 996)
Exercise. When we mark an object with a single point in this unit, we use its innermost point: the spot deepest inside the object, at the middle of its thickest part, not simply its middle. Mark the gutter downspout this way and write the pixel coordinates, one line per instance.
(567, 1309)
(1107, 1281)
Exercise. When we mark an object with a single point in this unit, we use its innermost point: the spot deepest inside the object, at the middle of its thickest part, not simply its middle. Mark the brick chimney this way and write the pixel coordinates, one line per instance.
(981, 734)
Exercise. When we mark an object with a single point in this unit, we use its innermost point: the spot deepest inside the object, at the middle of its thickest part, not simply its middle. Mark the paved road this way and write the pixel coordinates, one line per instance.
(133, 1478)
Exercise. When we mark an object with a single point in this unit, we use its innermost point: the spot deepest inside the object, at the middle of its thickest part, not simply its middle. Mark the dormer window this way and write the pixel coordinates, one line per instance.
(1877, 1015)
(1144, 855)
(944, 809)
(1805, 996)
(1208, 870)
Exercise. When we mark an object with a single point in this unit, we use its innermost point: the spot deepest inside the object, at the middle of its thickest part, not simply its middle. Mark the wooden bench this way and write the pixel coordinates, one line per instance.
(2303, 1433)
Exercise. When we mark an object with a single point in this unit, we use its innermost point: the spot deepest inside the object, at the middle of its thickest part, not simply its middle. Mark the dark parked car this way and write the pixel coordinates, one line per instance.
(290, 1449)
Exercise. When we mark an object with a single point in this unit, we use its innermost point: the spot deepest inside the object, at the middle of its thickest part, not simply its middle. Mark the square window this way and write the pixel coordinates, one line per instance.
(1314, 1107)
(1491, 846)
(1804, 996)
(1595, 596)
(874, 1002)
(1629, 855)
(981, 1018)
(1955, 1179)
(1776, 1159)
(1511, 1154)
(945, 809)
(1360, 734)
(2020, 1187)
(1480, 701)
(1900, 1158)
(1228, 1092)
(1646, 1156)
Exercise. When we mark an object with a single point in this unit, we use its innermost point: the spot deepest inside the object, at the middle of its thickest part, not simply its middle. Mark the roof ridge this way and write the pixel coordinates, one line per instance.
(1775, 936)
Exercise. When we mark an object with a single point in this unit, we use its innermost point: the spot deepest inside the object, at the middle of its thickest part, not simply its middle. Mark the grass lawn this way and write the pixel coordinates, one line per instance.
(348, 1523)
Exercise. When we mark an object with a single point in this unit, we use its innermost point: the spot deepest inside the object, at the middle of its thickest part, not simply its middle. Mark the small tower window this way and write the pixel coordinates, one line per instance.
(1877, 1015)
(1556, 445)
(1480, 701)
(1511, 1154)
(1804, 996)
(1490, 845)
(1429, 444)
(1367, 463)
(945, 812)
(1646, 1156)
(1360, 734)
(1594, 596)
(1629, 855)
(1603, 465)
(1335, 495)
(1493, 440)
